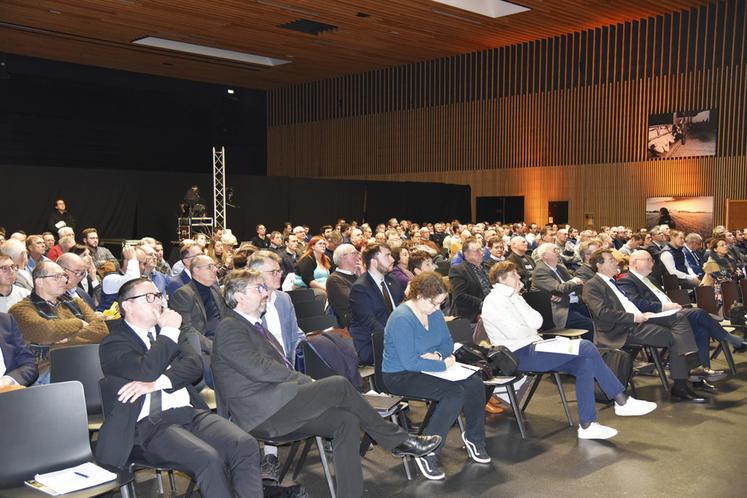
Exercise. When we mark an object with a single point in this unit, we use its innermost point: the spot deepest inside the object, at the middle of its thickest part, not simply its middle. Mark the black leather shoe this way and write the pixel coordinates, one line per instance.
(687, 394)
(705, 386)
(417, 446)
(741, 348)
(701, 373)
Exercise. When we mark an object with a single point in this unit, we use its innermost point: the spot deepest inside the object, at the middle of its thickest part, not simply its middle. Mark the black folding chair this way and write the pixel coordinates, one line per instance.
(670, 282)
(314, 323)
(301, 295)
(540, 301)
(80, 363)
(45, 429)
(679, 296)
(461, 330)
(308, 309)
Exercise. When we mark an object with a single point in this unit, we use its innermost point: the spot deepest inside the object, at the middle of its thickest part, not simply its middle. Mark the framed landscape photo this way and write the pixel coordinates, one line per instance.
(688, 214)
(682, 134)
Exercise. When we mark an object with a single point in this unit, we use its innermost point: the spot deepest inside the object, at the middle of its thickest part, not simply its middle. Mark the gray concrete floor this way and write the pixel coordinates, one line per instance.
(679, 450)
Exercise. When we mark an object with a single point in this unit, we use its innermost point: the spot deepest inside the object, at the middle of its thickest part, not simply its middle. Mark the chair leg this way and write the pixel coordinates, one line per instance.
(729, 358)
(172, 481)
(535, 385)
(651, 350)
(563, 399)
(291, 456)
(717, 351)
(128, 490)
(462, 424)
(325, 465)
(400, 419)
(518, 413)
(366, 441)
(159, 479)
(190, 489)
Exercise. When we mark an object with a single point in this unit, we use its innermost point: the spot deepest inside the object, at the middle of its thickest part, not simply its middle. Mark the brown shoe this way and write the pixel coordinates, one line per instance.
(494, 400)
(490, 408)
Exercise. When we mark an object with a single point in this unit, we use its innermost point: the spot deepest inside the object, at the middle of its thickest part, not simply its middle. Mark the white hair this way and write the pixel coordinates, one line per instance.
(545, 248)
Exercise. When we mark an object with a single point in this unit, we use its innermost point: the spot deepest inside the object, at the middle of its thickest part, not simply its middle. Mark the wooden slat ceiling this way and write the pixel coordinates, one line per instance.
(100, 32)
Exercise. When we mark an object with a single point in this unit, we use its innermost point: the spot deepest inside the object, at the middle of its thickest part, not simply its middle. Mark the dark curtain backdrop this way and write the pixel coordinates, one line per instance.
(132, 204)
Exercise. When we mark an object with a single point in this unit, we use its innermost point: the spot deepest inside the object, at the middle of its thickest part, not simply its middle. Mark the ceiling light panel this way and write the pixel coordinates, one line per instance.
(489, 8)
(219, 53)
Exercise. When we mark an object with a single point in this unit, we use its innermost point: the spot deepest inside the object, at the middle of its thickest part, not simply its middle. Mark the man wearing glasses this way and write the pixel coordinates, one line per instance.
(201, 307)
(149, 369)
(76, 270)
(180, 272)
(49, 317)
(10, 293)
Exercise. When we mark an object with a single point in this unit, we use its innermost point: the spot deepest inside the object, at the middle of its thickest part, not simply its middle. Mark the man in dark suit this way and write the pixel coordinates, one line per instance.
(551, 276)
(620, 322)
(372, 298)
(75, 269)
(469, 281)
(186, 254)
(148, 375)
(524, 264)
(693, 253)
(201, 307)
(649, 297)
(264, 395)
(347, 259)
(17, 362)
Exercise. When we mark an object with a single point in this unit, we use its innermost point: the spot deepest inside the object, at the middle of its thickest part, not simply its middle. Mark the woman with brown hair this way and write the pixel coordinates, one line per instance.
(417, 340)
(720, 267)
(312, 269)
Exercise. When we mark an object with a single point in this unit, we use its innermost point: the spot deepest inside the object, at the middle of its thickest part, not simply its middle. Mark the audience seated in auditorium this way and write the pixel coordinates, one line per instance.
(267, 398)
(373, 297)
(150, 372)
(17, 362)
(509, 321)
(565, 291)
(340, 282)
(10, 293)
(16, 251)
(76, 271)
(261, 241)
(400, 271)
(49, 317)
(111, 282)
(719, 268)
(63, 233)
(187, 252)
(98, 253)
(417, 340)
(60, 217)
(469, 282)
(675, 263)
(619, 322)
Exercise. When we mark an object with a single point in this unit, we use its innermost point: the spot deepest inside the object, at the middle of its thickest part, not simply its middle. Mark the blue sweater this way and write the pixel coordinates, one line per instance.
(405, 339)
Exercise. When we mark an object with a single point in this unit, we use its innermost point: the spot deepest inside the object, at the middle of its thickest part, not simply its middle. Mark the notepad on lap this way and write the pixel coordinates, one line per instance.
(73, 479)
(560, 345)
(459, 371)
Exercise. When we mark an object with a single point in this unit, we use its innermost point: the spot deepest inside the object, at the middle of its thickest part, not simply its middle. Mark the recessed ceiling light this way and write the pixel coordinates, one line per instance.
(191, 48)
(489, 8)
(230, 91)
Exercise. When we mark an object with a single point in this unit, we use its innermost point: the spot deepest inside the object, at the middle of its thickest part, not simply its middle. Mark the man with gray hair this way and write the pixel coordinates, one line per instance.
(524, 264)
(16, 251)
(551, 276)
(348, 262)
(693, 253)
(57, 250)
(268, 399)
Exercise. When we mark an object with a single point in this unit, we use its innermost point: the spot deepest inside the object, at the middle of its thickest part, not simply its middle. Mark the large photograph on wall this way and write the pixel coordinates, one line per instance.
(682, 134)
(687, 214)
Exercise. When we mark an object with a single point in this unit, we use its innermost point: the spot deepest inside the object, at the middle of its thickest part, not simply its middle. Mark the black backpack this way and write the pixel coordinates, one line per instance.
(737, 315)
(621, 364)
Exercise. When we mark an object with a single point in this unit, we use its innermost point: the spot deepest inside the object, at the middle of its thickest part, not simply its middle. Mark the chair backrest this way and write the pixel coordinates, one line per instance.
(679, 296)
(671, 282)
(460, 330)
(480, 334)
(44, 428)
(443, 267)
(301, 295)
(539, 300)
(706, 299)
(314, 323)
(729, 294)
(308, 309)
(377, 342)
(315, 366)
(79, 363)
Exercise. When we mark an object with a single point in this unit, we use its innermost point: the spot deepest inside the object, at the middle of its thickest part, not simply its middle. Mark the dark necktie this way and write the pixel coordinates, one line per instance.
(612, 280)
(274, 343)
(387, 297)
(154, 414)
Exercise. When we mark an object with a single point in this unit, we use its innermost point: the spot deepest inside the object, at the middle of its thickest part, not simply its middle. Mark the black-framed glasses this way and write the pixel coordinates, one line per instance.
(150, 297)
(274, 271)
(57, 277)
(9, 268)
(77, 273)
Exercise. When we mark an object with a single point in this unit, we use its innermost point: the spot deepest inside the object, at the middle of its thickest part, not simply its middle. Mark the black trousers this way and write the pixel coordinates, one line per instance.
(672, 332)
(332, 408)
(223, 459)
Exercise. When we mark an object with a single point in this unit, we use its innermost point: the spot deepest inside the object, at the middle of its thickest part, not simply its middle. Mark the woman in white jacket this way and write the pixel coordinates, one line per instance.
(509, 321)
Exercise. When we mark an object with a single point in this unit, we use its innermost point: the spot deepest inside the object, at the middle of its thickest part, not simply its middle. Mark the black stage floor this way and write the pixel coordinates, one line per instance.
(679, 450)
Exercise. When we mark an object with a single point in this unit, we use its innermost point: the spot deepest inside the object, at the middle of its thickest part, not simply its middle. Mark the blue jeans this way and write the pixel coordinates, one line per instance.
(586, 367)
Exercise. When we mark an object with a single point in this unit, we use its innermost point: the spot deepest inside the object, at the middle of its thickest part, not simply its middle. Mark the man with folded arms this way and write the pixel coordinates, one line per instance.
(149, 373)
(649, 297)
(620, 322)
(266, 397)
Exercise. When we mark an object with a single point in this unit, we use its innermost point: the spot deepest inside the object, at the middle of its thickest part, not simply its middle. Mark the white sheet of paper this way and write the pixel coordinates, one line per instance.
(560, 345)
(663, 313)
(83, 476)
(459, 371)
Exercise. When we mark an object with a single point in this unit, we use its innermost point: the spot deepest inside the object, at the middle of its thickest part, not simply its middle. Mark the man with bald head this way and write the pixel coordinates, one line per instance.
(201, 307)
(524, 264)
(76, 270)
(649, 297)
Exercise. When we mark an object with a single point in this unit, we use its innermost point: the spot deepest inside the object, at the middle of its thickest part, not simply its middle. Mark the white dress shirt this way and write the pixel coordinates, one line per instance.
(168, 400)
(572, 296)
(508, 319)
(112, 282)
(626, 303)
(378, 281)
(663, 298)
(272, 320)
(668, 259)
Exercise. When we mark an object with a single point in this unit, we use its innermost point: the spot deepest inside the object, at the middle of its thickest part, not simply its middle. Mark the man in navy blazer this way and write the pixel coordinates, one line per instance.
(19, 365)
(280, 316)
(693, 253)
(369, 305)
(186, 255)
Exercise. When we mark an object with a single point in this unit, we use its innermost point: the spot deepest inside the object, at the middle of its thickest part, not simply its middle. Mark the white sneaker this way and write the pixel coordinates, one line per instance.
(634, 407)
(596, 431)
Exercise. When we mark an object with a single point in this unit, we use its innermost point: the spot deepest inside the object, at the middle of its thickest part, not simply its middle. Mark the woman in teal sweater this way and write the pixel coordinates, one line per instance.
(417, 340)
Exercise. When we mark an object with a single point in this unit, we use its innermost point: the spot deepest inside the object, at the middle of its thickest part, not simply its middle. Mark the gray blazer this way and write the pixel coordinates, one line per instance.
(292, 335)
(543, 278)
(187, 302)
(251, 379)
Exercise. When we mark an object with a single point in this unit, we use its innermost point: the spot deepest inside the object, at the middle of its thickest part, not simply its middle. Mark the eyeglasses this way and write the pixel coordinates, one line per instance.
(77, 273)
(210, 267)
(57, 277)
(9, 268)
(276, 271)
(150, 297)
(260, 288)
